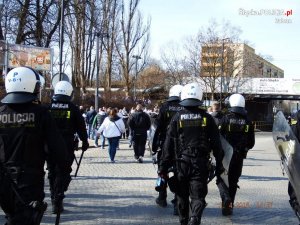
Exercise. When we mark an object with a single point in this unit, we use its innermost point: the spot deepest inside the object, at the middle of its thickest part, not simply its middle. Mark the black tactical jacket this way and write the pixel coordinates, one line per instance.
(29, 135)
(68, 119)
(192, 133)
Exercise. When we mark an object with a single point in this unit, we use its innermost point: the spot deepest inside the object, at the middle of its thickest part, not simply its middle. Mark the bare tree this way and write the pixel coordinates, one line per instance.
(174, 64)
(33, 22)
(132, 43)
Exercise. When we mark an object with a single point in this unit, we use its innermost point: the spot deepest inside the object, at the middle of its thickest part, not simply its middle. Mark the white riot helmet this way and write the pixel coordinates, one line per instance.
(191, 95)
(63, 91)
(22, 85)
(237, 103)
(175, 92)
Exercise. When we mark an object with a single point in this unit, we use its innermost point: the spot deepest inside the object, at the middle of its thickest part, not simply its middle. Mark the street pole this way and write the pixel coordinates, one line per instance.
(136, 73)
(97, 73)
(222, 71)
(6, 58)
(222, 74)
(61, 38)
(99, 35)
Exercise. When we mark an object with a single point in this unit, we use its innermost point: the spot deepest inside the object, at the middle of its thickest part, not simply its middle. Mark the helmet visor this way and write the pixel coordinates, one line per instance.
(19, 97)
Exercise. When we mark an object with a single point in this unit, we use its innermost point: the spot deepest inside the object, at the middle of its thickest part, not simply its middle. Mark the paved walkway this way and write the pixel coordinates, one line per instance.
(123, 192)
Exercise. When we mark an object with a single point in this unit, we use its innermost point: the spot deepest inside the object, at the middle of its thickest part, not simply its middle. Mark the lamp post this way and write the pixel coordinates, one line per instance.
(61, 37)
(99, 35)
(222, 70)
(136, 73)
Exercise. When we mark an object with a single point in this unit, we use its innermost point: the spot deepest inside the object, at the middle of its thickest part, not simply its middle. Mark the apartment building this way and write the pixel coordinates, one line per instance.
(235, 60)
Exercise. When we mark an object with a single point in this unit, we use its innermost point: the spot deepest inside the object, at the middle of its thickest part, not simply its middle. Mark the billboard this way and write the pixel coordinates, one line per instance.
(22, 55)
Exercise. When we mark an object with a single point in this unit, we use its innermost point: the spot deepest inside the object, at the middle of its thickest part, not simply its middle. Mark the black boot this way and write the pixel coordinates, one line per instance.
(226, 200)
(161, 200)
(194, 221)
(184, 222)
(227, 207)
(57, 206)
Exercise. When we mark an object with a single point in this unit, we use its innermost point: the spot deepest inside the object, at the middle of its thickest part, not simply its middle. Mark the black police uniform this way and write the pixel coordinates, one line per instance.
(24, 131)
(238, 130)
(69, 121)
(191, 136)
(167, 110)
(293, 199)
(139, 123)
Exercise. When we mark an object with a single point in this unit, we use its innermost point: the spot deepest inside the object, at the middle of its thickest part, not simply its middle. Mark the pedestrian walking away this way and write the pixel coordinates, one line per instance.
(191, 136)
(98, 120)
(25, 127)
(139, 124)
(112, 127)
(90, 115)
(70, 122)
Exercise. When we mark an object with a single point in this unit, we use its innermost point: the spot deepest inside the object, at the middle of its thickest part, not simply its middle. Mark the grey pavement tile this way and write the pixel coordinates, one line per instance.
(123, 193)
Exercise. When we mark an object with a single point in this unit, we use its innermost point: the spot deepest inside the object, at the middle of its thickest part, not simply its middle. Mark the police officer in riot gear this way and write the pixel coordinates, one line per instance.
(166, 112)
(25, 128)
(69, 121)
(293, 199)
(238, 130)
(191, 136)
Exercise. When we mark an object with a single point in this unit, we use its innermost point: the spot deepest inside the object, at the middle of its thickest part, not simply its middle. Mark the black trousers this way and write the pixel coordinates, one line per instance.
(139, 144)
(59, 182)
(16, 208)
(234, 173)
(192, 188)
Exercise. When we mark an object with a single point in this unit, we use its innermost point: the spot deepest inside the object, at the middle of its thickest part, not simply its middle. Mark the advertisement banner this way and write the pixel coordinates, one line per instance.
(31, 56)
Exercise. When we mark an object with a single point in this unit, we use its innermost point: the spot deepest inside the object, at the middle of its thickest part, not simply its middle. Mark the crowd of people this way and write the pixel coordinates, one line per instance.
(185, 136)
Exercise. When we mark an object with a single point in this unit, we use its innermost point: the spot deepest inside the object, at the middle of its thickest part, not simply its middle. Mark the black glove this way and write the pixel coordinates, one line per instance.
(163, 174)
(219, 169)
(85, 146)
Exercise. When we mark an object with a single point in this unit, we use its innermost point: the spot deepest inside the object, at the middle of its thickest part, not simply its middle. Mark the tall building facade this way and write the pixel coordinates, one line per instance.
(235, 60)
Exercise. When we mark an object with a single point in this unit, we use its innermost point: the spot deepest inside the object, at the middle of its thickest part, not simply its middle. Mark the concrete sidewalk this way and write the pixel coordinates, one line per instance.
(123, 192)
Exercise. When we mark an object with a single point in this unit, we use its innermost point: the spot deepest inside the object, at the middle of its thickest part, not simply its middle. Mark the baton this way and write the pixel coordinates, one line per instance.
(78, 165)
(76, 160)
(57, 218)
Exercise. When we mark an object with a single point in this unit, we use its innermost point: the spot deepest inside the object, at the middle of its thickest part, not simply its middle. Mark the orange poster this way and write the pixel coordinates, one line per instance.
(34, 57)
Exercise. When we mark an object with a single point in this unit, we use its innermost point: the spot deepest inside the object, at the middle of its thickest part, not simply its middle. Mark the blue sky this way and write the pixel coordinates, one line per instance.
(173, 20)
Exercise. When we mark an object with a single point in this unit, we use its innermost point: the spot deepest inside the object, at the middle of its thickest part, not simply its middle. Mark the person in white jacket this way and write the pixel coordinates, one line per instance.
(113, 127)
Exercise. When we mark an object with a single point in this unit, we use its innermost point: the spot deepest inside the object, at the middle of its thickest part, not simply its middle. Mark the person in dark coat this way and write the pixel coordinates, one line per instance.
(98, 120)
(139, 124)
(26, 127)
(90, 115)
(216, 113)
